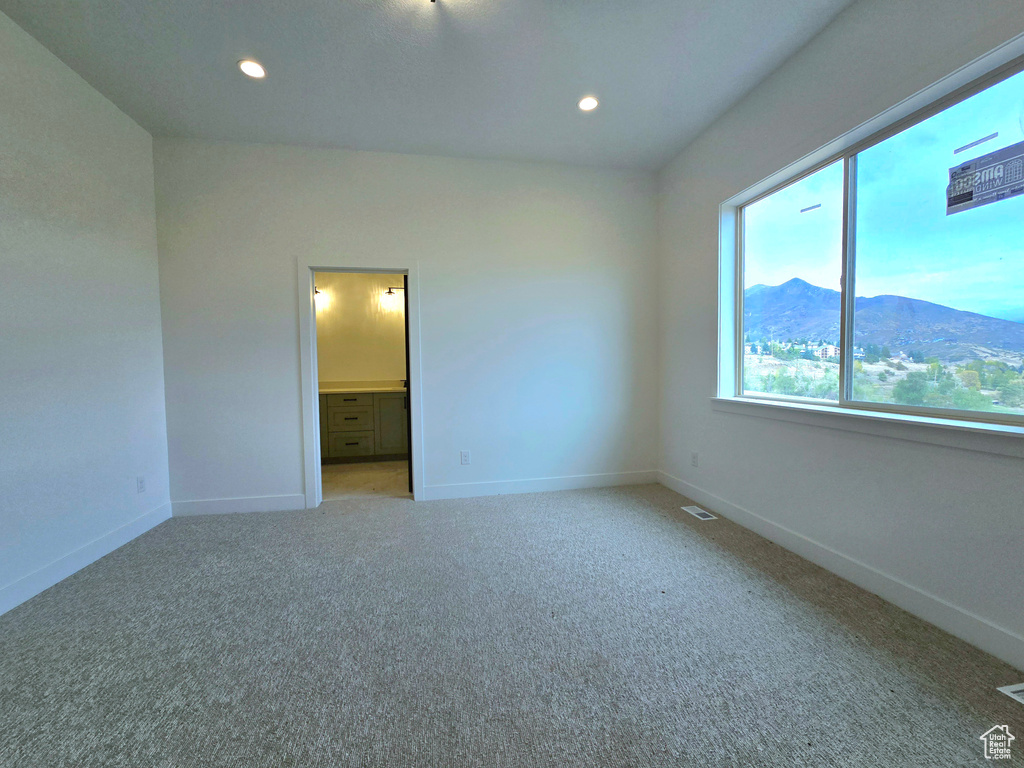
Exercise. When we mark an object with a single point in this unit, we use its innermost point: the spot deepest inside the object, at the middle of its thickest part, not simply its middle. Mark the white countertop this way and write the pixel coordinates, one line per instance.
(358, 387)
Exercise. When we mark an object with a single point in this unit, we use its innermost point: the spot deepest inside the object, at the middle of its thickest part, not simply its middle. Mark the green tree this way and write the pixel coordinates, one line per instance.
(1012, 394)
(865, 390)
(1000, 374)
(828, 387)
(971, 379)
(912, 389)
(971, 400)
(978, 366)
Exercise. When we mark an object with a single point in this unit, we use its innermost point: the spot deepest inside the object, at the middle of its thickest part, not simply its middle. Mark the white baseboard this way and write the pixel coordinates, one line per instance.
(17, 592)
(537, 485)
(976, 630)
(285, 503)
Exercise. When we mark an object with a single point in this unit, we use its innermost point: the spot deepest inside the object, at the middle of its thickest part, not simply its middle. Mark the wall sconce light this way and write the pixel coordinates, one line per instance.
(322, 299)
(389, 300)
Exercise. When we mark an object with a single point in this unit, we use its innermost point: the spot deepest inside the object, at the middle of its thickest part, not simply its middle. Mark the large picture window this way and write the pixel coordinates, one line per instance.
(927, 224)
(793, 259)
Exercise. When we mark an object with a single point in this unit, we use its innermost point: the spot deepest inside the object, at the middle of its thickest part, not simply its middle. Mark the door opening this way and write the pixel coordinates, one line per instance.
(361, 323)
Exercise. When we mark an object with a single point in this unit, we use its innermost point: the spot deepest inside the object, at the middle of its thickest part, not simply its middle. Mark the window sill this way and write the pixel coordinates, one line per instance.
(1000, 439)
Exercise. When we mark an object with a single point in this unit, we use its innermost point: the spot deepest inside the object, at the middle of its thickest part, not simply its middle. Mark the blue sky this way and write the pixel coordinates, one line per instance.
(906, 244)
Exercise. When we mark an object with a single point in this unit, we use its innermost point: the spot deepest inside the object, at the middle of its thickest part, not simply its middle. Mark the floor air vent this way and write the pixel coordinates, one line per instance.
(1014, 691)
(699, 513)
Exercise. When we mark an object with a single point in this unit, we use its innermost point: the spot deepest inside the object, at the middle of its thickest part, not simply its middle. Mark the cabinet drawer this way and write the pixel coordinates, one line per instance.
(349, 419)
(365, 398)
(350, 444)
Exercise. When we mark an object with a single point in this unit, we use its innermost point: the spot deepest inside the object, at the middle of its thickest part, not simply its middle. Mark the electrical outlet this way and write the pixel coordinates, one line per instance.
(465, 457)
(140, 484)
(695, 459)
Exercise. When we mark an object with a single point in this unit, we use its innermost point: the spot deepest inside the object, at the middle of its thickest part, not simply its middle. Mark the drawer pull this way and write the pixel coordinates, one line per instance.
(351, 418)
(349, 399)
(351, 443)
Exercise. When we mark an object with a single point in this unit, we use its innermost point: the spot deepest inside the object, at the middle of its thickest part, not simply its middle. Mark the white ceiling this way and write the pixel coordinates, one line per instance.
(467, 78)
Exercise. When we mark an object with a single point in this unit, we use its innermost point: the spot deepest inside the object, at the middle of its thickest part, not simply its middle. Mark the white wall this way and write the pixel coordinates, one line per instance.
(537, 312)
(360, 335)
(81, 382)
(938, 530)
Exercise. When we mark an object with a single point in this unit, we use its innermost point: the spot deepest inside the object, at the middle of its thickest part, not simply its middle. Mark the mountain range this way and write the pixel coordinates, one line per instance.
(798, 310)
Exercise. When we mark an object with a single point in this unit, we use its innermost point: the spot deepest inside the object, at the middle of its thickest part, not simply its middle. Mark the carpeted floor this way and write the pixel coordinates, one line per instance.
(582, 628)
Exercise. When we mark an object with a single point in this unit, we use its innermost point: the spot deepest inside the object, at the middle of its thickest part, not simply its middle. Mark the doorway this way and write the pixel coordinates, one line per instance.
(360, 380)
(362, 371)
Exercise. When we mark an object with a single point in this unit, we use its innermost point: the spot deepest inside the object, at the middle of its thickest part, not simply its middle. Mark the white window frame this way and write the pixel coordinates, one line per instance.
(1005, 61)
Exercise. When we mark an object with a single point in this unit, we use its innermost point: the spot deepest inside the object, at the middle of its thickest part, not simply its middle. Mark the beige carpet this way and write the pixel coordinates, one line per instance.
(583, 628)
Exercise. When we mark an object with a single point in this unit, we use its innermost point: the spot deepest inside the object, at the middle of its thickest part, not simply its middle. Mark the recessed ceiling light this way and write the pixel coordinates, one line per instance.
(588, 103)
(252, 68)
